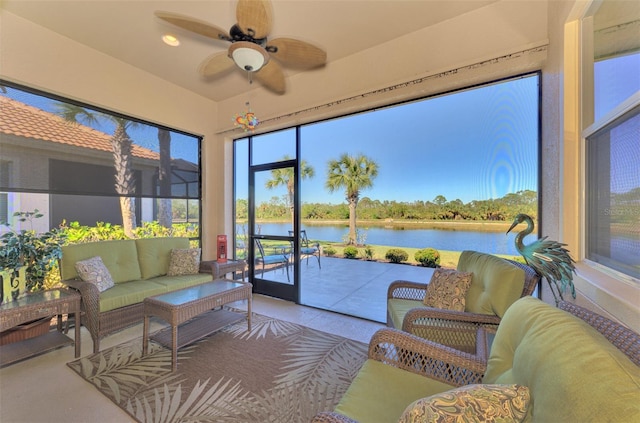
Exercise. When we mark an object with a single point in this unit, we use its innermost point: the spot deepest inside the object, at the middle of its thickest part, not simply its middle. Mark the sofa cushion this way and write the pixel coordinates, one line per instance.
(94, 271)
(119, 256)
(184, 261)
(171, 283)
(398, 308)
(496, 283)
(447, 289)
(572, 371)
(381, 392)
(154, 254)
(472, 403)
(128, 293)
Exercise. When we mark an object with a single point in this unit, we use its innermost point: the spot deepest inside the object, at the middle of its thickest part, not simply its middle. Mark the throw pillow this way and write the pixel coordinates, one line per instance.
(94, 271)
(447, 289)
(471, 403)
(184, 261)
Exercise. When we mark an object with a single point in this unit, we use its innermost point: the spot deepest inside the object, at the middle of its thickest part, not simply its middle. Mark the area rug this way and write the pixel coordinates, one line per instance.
(279, 372)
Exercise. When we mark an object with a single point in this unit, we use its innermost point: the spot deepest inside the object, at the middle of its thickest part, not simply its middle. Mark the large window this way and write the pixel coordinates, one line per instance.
(82, 165)
(452, 171)
(612, 136)
(449, 172)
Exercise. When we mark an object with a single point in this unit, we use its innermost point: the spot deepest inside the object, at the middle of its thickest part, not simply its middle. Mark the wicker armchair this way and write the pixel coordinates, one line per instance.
(573, 373)
(416, 355)
(456, 329)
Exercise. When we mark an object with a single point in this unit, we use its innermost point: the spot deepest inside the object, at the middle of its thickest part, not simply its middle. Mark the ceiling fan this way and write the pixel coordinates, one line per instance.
(250, 50)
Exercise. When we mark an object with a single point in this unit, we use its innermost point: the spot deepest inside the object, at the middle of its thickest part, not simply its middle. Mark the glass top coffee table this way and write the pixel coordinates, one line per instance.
(191, 309)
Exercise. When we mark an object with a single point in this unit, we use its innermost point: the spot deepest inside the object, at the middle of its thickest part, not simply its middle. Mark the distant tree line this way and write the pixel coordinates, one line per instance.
(501, 209)
(353, 174)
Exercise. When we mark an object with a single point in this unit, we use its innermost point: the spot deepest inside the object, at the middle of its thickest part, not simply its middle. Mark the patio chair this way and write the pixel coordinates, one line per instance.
(278, 258)
(495, 286)
(306, 249)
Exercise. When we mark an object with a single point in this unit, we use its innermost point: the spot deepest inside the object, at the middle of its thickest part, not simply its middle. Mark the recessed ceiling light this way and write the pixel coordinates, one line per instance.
(170, 40)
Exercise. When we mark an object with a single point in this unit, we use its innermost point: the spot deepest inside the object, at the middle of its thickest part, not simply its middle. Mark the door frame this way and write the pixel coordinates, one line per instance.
(289, 292)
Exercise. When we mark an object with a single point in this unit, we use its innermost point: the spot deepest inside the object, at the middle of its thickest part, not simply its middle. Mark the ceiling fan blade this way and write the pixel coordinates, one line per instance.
(215, 64)
(193, 25)
(255, 17)
(297, 53)
(272, 77)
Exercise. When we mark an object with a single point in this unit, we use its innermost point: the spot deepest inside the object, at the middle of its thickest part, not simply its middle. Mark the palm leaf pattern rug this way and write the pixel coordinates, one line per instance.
(279, 372)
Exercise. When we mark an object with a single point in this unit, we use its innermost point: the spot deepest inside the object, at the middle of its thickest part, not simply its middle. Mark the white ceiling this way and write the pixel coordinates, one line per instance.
(129, 31)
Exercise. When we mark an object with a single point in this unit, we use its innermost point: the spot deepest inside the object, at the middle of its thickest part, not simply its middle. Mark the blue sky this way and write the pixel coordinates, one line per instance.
(472, 145)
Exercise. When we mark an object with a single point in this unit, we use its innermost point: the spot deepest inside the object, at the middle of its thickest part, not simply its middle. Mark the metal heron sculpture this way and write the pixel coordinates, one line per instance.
(548, 258)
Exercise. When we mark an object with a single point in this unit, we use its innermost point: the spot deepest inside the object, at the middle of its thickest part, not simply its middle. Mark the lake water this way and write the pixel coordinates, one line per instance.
(487, 242)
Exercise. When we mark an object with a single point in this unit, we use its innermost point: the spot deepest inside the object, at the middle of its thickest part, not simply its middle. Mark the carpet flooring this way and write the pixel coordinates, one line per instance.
(279, 372)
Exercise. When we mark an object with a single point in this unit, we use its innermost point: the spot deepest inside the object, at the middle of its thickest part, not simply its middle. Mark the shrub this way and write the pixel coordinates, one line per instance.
(428, 257)
(396, 255)
(368, 253)
(329, 251)
(350, 252)
(38, 253)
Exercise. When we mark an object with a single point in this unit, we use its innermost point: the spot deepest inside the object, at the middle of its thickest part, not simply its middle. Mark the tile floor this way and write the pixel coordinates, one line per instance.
(44, 389)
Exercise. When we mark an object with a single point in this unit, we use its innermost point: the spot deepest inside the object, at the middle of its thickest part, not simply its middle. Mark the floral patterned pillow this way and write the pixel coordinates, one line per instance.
(471, 403)
(94, 271)
(447, 289)
(184, 261)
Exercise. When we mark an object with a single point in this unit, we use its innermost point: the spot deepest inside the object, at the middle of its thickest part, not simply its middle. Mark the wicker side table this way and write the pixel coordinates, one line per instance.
(219, 270)
(55, 302)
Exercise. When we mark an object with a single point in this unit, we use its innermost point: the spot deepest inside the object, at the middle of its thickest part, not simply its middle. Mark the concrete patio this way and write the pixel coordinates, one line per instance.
(352, 287)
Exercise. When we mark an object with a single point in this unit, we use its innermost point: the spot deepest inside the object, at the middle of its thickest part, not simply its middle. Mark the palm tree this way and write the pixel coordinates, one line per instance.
(353, 174)
(121, 146)
(284, 176)
(165, 217)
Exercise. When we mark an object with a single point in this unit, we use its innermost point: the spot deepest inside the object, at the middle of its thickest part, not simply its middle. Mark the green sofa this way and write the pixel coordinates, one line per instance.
(139, 270)
(496, 284)
(577, 365)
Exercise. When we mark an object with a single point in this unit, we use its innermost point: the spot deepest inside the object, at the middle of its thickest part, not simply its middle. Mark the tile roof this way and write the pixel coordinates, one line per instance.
(22, 120)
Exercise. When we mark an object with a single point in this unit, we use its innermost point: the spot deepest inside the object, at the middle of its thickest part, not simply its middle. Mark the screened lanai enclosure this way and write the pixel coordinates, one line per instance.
(446, 172)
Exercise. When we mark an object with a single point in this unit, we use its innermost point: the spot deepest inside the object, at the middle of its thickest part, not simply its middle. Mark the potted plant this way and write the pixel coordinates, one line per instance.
(26, 257)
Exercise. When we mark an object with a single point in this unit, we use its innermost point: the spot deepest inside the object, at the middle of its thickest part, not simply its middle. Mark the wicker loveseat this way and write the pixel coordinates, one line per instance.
(496, 284)
(577, 365)
(138, 268)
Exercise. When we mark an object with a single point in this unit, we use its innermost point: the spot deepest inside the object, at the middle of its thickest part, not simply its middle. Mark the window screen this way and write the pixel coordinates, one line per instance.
(79, 163)
(613, 195)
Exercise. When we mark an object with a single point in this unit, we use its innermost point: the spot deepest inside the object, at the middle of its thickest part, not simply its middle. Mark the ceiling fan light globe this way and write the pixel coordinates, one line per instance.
(248, 56)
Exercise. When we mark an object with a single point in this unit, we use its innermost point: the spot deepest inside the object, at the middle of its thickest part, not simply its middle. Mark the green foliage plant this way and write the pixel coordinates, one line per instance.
(428, 257)
(396, 255)
(350, 252)
(102, 231)
(329, 251)
(368, 253)
(77, 234)
(38, 252)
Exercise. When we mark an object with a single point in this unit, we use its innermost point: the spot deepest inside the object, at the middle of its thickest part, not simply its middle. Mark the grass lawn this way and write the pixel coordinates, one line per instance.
(448, 259)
